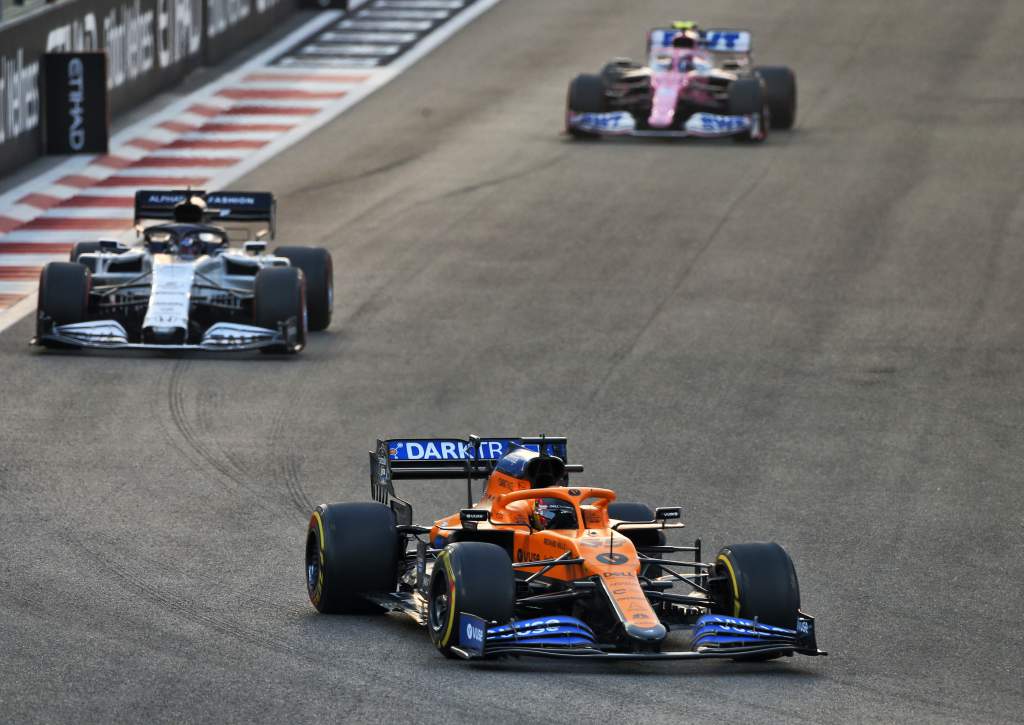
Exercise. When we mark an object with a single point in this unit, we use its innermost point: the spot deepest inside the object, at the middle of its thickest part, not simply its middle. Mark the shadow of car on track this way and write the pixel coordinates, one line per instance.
(379, 625)
(653, 669)
(795, 134)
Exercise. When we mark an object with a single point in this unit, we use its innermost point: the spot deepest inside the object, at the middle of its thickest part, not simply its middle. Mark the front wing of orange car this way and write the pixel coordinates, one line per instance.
(711, 636)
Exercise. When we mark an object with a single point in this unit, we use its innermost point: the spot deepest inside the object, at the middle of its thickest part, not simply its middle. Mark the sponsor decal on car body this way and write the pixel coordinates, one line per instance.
(710, 124)
(614, 122)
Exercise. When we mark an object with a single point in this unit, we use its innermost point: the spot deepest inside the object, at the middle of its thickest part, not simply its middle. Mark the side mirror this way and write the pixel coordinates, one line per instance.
(471, 518)
(668, 513)
(110, 245)
(255, 247)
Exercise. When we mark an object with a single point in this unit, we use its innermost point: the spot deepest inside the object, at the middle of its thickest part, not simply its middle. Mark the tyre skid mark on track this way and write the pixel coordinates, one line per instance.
(230, 466)
(498, 180)
(403, 268)
(291, 473)
(135, 579)
(288, 467)
(336, 183)
(193, 447)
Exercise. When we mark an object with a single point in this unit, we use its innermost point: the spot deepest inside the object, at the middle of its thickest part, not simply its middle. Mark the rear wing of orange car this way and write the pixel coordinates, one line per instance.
(448, 459)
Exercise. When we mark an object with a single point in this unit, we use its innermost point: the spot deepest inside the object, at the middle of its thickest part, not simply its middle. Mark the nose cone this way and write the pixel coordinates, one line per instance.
(655, 633)
(661, 117)
(663, 104)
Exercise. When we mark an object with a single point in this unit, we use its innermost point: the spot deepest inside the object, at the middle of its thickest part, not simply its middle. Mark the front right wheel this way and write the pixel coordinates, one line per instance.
(758, 581)
(279, 303)
(469, 577)
(586, 95)
(63, 295)
(746, 98)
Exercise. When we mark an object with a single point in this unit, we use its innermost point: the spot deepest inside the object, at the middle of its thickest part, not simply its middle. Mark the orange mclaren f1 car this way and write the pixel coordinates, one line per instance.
(539, 566)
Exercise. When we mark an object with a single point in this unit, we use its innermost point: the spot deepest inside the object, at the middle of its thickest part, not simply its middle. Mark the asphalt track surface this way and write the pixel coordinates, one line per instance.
(817, 341)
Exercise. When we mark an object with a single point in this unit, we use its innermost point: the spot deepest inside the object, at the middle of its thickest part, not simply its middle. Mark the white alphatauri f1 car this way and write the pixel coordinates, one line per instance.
(182, 286)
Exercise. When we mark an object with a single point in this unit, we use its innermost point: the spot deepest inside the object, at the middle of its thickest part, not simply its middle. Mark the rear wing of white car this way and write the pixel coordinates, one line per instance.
(223, 208)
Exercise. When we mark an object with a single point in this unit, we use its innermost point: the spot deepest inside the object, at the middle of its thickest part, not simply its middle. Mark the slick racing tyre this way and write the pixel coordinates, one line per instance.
(279, 297)
(614, 68)
(63, 295)
(352, 549)
(318, 267)
(779, 94)
(758, 582)
(586, 95)
(639, 512)
(470, 577)
(746, 97)
(81, 248)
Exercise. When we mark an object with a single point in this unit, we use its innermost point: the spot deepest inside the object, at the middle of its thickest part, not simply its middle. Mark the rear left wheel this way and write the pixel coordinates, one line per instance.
(81, 248)
(352, 549)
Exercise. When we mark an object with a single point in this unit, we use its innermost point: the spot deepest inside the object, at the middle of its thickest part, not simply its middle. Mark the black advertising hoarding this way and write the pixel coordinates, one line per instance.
(150, 45)
(326, 4)
(20, 140)
(76, 114)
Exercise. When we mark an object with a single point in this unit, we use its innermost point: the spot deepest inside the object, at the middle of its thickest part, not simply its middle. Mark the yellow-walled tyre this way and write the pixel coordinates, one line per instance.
(352, 549)
(759, 582)
(470, 577)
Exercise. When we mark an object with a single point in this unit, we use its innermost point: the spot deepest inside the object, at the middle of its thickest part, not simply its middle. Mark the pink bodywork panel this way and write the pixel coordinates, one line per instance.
(669, 86)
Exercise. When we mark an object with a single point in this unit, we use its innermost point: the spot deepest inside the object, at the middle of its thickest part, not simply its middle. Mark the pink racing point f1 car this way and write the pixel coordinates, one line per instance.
(696, 83)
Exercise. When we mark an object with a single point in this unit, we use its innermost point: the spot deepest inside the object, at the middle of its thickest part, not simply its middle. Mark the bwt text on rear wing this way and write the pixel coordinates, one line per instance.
(223, 208)
(717, 40)
(455, 459)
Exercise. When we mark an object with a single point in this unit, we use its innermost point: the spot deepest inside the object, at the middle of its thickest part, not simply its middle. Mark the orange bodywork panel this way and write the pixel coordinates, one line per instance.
(606, 554)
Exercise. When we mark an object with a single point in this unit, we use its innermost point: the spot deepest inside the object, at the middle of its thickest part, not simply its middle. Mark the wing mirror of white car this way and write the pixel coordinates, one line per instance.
(255, 247)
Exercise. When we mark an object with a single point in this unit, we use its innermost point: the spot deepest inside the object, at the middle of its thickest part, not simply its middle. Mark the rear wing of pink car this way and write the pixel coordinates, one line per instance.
(730, 46)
